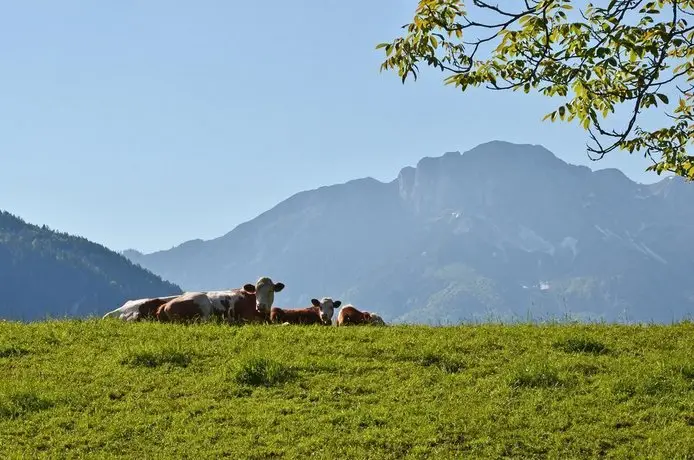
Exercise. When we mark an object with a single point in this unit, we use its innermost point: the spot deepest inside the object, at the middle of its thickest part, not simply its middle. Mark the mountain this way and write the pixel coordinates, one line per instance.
(44, 273)
(502, 230)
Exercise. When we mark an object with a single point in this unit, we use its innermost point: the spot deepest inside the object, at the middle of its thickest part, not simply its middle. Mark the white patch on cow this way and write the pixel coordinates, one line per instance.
(217, 299)
(204, 303)
(130, 310)
(201, 300)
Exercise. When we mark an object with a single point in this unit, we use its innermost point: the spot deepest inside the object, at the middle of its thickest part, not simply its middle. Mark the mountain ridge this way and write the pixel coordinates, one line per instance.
(459, 235)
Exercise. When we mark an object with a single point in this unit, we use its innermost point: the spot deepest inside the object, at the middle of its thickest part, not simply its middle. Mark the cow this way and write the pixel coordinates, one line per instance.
(252, 303)
(320, 313)
(139, 309)
(349, 315)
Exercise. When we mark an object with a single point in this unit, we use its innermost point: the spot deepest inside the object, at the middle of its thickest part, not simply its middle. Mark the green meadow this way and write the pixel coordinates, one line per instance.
(107, 389)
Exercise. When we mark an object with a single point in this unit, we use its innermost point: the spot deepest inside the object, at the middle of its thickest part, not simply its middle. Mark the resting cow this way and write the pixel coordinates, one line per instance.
(137, 310)
(250, 303)
(351, 316)
(320, 313)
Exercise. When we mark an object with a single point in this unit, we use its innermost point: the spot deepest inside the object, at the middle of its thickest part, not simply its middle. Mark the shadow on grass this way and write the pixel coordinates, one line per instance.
(587, 369)
(540, 376)
(152, 359)
(581, 345)
(444, 363)
(12, 351)
(687, 372)
(263, 372)
(660, 385)
(22, 403)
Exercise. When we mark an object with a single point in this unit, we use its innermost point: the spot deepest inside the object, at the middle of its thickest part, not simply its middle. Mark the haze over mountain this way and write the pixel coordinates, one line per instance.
(502, 230)
(44, 273)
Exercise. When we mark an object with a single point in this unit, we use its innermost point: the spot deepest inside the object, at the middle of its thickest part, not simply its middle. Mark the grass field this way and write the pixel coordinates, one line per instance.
(100, 389)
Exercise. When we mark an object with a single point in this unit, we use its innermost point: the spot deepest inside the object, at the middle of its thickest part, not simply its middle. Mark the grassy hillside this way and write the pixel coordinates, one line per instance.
(108, 389)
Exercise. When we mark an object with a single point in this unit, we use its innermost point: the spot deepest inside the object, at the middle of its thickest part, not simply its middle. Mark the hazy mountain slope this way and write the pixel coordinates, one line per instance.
(46, 273)
(503, 229)
(317, 241)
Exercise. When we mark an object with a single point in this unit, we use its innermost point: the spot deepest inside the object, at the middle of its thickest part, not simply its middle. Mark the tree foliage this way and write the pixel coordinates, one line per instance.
(626, 57)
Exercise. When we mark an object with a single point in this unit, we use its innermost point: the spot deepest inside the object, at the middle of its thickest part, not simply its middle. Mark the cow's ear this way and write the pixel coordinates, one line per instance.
(337, 303)
(249, 287)
(315, 302)
(279, 287)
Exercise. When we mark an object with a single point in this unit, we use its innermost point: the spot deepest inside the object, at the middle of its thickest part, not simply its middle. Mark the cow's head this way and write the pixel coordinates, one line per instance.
(327, 307)
(376, 320)
(264, 291)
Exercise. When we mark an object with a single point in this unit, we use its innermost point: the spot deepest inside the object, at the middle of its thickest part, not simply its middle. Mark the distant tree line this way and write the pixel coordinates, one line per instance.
(48, 273)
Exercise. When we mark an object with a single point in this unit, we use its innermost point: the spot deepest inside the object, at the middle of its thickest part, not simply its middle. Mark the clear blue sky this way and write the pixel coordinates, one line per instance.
(145, 124)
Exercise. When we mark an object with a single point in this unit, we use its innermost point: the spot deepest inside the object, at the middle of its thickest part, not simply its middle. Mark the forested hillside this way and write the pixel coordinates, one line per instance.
(48, 273)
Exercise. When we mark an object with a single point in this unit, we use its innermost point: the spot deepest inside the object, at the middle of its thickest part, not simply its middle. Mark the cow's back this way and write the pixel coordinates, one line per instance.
(148, 309)
(187, 307)
(138, 309)
(349, 315)
(309, 315)
(224, 302)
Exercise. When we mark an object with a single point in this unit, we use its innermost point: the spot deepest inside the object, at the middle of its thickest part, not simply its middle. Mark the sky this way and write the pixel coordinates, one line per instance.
(146, 124)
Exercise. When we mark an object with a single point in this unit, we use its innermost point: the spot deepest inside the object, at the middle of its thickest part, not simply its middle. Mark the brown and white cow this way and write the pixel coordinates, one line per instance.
(320, 313)
(139, 309)
(351, 316)
(252, 303)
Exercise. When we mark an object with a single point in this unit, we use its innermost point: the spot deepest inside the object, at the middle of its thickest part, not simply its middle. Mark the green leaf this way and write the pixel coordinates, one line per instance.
(597, 60)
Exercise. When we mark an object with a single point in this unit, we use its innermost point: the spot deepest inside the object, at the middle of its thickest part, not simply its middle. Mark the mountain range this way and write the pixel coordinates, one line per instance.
(501, 231)
(45, 273)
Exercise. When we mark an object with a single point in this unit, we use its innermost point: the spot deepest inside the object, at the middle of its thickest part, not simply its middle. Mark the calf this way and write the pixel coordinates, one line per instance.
(351, 316)
(137, 310)
(320, 313)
